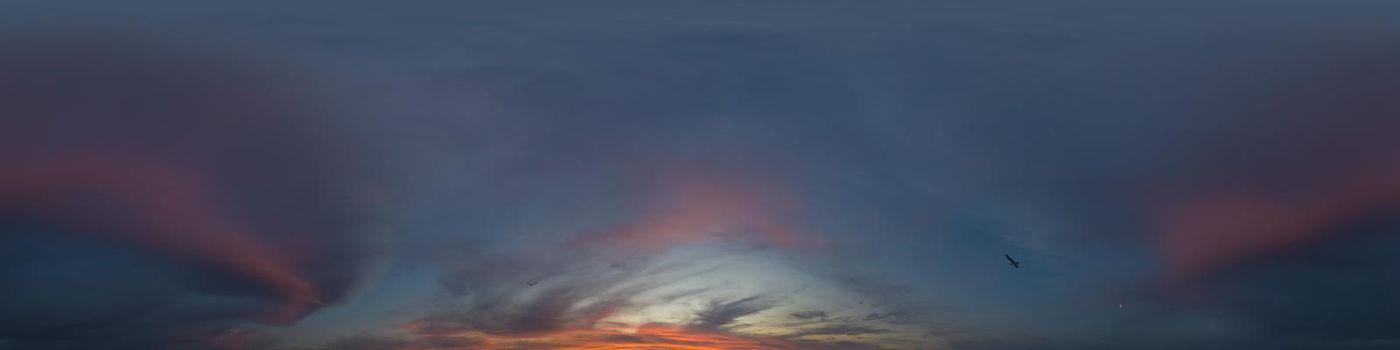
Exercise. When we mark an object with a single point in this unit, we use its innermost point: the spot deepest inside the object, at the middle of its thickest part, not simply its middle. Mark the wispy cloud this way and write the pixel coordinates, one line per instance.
(719, 314)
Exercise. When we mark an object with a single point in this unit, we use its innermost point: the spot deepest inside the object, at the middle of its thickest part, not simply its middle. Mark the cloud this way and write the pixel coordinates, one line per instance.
(557, 320)
(656, 336)
(166, 209)
(645, 336)
(215, 168)
(578, 301)
(1334, 294)
(1272, 231)
(383, 342)
(840, 330)
(693, 204)
(554, 310)
(1310, 160)
(1002, 342)
(810, 314)
(883, 316)
(719, 314)
(885, 133)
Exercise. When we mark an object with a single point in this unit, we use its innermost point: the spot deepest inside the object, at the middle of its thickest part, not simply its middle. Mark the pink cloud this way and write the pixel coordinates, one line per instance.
(158, 206)
(700, 206)
(1215, 230)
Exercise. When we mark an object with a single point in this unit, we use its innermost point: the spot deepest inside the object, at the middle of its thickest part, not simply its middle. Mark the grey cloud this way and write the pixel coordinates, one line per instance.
(382, 342)
(810, 314)
(719, 314)
(841, 330)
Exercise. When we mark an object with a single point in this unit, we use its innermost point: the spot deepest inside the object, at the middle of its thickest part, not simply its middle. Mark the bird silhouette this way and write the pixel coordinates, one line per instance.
(532, 284)
(1014, 263)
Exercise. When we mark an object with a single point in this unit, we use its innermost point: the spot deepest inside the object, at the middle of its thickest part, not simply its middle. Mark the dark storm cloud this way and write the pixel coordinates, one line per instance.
(143, 156)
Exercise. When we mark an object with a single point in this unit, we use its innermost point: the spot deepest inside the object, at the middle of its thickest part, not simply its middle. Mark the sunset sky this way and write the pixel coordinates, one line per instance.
(699, 175)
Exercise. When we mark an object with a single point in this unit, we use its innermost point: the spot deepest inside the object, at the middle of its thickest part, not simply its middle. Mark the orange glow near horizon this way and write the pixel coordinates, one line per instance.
(647, 336)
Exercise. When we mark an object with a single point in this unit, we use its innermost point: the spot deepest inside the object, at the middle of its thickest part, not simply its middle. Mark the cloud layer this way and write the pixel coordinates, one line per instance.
(659, 175)
(143, 147)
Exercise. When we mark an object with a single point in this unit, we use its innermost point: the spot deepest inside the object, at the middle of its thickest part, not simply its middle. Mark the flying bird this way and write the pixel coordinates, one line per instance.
(532, 284)
(1014, 263)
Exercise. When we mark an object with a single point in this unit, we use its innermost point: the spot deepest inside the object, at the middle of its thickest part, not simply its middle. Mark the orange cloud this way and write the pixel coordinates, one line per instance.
(647, 336)
(686, 205)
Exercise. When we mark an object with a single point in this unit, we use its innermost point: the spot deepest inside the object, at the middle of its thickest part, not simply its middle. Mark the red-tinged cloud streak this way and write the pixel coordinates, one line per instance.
(1216, 230)
(1322, 156)
(155, 205)
(181, 152)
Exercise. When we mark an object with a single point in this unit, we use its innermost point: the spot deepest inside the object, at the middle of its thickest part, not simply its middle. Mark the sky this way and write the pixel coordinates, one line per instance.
(689, 175)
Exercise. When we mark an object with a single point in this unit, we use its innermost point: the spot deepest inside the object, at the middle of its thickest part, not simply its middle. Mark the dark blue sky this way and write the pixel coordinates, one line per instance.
(700, 175)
